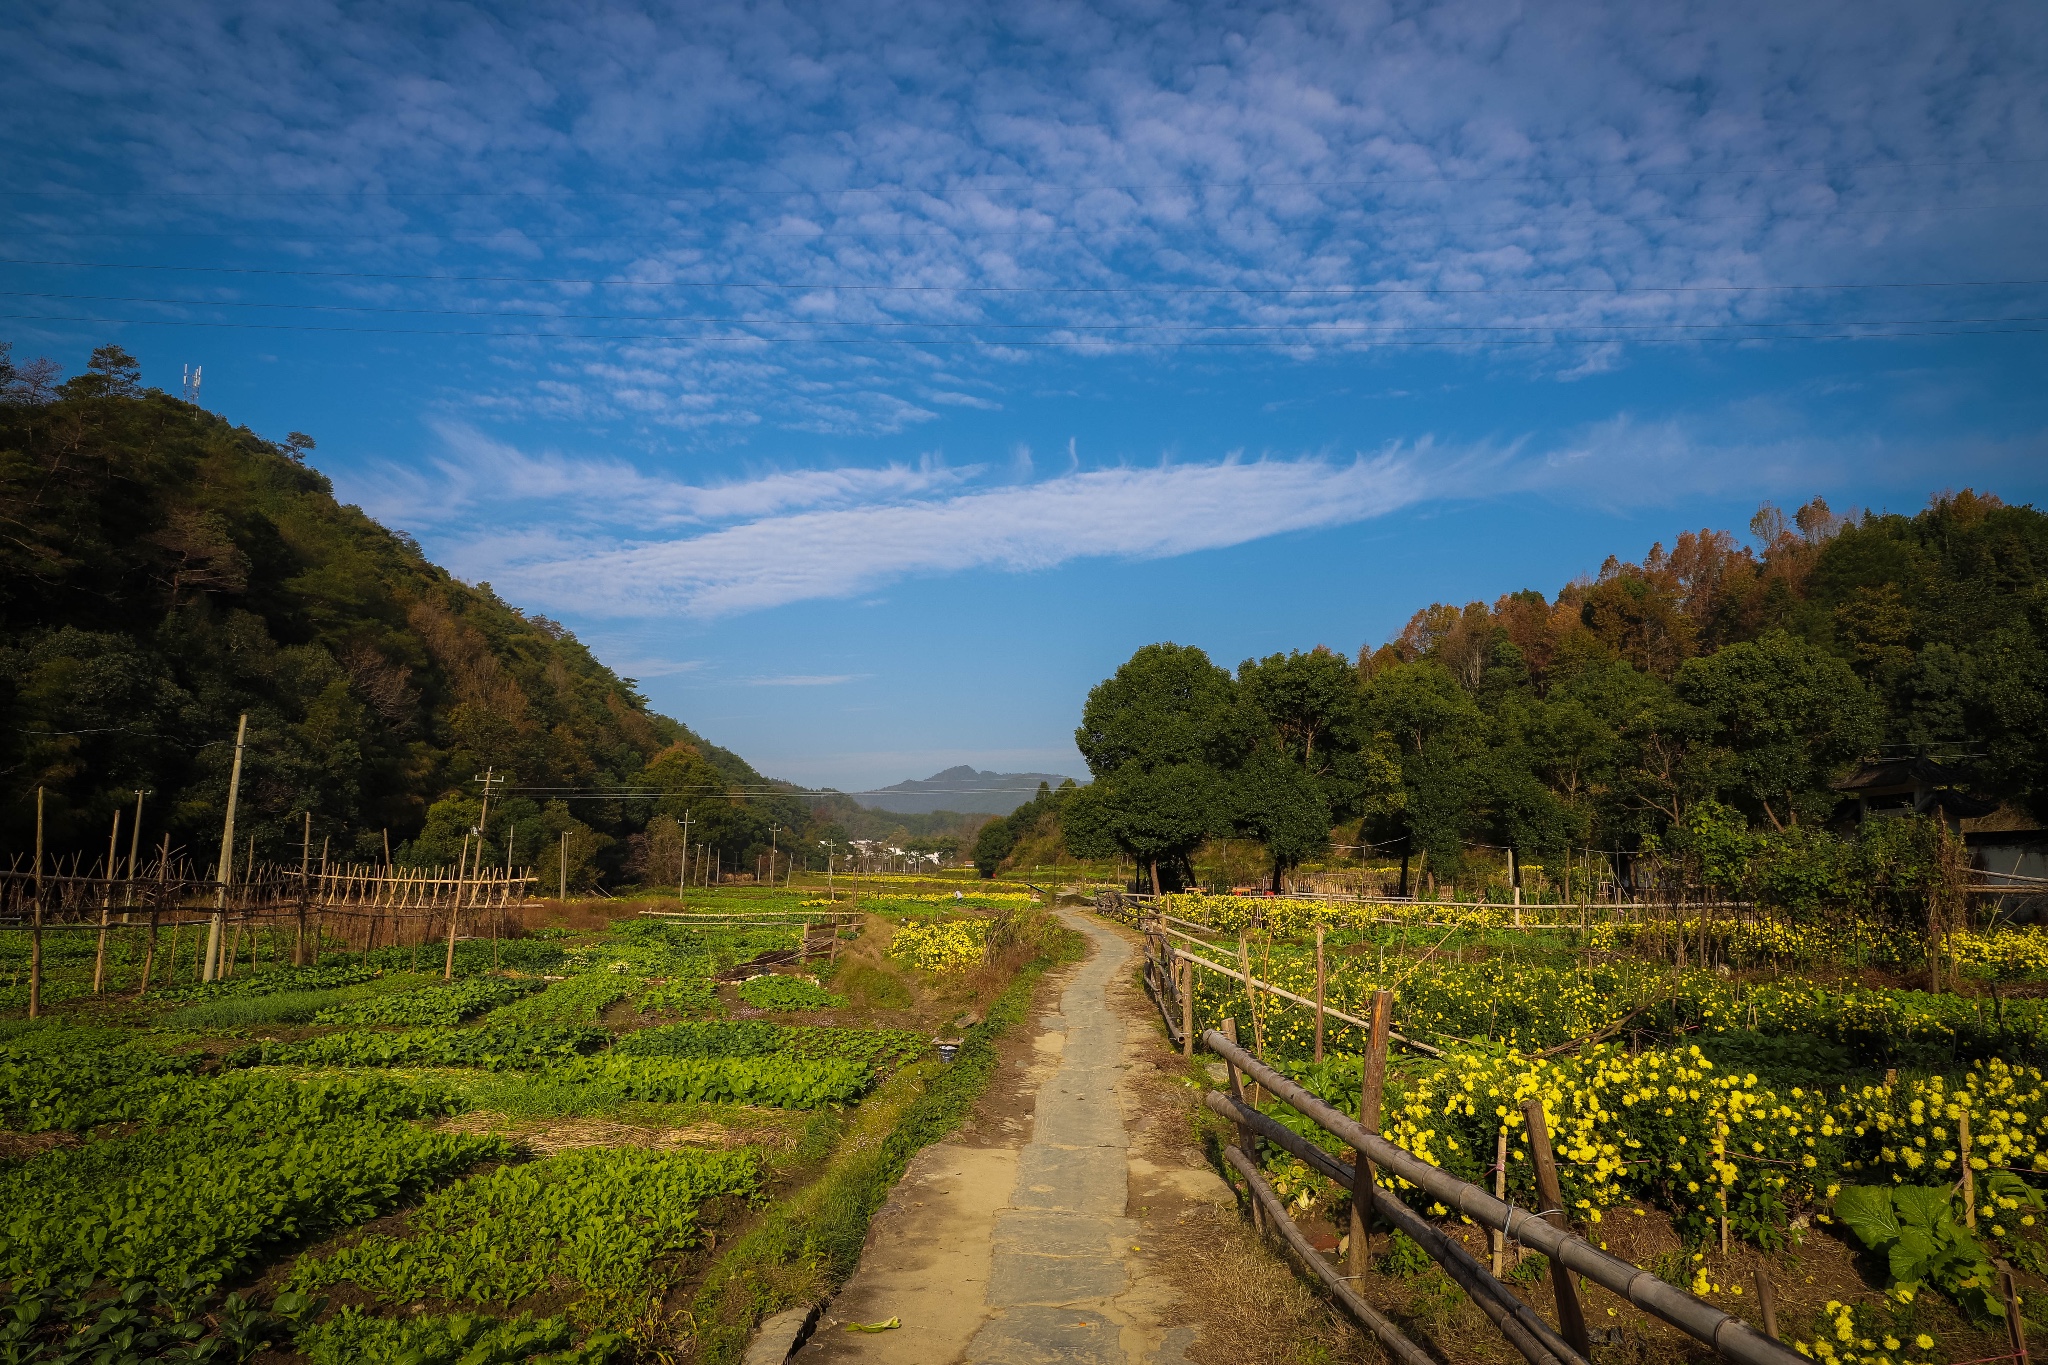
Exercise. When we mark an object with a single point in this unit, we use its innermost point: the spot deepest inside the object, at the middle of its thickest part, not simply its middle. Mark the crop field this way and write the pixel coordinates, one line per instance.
(573, 1150)
(1791, 1101)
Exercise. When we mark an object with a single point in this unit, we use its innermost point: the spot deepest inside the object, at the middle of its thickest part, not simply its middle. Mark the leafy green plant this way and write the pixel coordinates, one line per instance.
(877, 1048)
(1921, 1235)
(787, 993)
(589, 1084)
(442, 1003)
(69, 1319)
(604, 1220)
(218, 1170)
(353, 1337)
(507, 1047)
(271, 981)
(578, 1000)
(277, 1007)
(680, 995)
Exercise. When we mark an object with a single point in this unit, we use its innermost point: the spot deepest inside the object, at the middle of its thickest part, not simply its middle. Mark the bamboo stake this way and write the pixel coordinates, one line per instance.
(2015, 1326)
(1571, 1317)
(1767, 1300)
(1500, 1192)
(1969, 1175)
(1321, 981)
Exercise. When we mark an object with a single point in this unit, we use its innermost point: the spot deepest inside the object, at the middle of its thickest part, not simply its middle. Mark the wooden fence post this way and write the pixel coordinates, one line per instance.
(1571, 1317)
(1187, 1008)
(1372, 1082)
(1247, 1141)
(1767, 1300)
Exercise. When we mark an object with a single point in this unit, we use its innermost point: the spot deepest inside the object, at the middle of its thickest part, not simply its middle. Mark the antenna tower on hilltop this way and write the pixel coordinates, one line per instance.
(192, 379)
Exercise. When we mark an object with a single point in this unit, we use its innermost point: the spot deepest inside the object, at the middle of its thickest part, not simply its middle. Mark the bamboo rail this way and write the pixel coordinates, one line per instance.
(1728, 1336)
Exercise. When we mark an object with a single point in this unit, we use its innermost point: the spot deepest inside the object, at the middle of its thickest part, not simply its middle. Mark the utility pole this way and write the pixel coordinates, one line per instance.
(227, 858)
(563, 889)
(683, 875)
(773, 830)
(455, 909)
(35, 933)
(134, 848)
(828, 868)
(305, 890)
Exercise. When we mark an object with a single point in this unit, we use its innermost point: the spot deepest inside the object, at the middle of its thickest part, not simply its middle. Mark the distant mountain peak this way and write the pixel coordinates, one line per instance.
(962, 788)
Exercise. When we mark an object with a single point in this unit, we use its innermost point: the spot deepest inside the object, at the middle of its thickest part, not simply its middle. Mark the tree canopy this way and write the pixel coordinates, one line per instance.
(1739, 681)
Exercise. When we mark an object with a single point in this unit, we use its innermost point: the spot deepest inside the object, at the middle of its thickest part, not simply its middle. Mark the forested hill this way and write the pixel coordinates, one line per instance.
(162, 572)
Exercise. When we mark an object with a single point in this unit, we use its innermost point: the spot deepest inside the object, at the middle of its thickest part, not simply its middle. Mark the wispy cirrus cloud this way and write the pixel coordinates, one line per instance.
(474, 469)
(1136, 513)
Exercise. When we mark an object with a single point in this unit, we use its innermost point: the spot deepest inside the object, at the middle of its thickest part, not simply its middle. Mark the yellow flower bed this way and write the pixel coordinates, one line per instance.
(954, 946)
(1666, 1124)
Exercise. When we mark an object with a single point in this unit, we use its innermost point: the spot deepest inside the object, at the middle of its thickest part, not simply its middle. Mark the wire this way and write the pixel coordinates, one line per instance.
(1017, 326)
(904, 188)
(1332, 291)
(998, 342)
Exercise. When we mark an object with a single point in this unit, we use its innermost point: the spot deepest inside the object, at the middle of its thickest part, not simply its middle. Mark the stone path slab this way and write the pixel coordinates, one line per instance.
(1022, 1254)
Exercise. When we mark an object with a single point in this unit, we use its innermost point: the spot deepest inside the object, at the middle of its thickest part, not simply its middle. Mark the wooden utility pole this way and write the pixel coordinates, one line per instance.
(227, 859)
(773, 830)
(35, 931)
(134, 848)
(455, 911)
(163, 870)
(305, 890)
(563, 888)
(99, 956)
(683, 879)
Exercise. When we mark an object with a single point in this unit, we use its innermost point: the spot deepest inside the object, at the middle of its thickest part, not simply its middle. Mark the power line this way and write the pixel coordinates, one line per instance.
(1009, 326)
(937, 229)
(1013, 342)
(1329, 290)
(1630, 172)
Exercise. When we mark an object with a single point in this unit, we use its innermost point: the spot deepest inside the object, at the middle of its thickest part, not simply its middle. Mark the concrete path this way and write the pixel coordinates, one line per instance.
(1021, 1253)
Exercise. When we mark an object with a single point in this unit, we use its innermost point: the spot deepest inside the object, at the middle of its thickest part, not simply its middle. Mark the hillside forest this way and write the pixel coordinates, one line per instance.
(163, 572)
(1696, 706)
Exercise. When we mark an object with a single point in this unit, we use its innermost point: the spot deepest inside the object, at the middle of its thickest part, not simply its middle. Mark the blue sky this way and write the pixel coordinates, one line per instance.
(868, 381)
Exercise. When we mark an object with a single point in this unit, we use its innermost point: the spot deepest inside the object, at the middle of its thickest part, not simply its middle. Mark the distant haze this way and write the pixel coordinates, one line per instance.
(962, 789)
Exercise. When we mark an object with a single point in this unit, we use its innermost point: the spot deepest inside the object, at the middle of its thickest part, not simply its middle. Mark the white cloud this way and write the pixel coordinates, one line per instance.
(476, 469)
(1081, 175)
(806, 680)
(838, 553)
